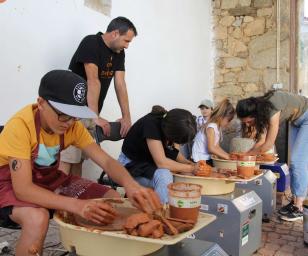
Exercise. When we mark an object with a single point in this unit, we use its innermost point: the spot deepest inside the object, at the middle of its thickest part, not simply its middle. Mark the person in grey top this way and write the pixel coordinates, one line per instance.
(266, 113)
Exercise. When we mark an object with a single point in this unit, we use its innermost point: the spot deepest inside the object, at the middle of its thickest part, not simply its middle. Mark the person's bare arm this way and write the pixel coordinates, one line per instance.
(26, 190)
(144, 198)
(212, 148)
(271, 136)
(181, 158)
(122, 96)
(158, 154)
(94, 88)
(261, 141)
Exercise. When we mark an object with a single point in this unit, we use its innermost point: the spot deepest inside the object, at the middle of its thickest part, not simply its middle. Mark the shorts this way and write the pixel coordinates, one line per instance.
(72, 154)
(77, 188)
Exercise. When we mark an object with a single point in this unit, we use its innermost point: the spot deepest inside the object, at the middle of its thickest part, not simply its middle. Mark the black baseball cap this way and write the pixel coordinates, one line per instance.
(67, 92)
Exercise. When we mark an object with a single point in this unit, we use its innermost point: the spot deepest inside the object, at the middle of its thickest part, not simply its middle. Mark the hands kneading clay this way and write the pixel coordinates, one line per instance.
(204, 169)
(132, 221)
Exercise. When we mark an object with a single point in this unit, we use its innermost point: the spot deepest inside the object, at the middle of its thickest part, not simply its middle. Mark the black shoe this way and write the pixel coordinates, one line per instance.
(287, 208)
(293, 215)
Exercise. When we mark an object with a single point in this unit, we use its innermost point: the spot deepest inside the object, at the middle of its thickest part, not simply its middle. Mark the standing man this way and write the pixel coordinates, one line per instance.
(98, 59)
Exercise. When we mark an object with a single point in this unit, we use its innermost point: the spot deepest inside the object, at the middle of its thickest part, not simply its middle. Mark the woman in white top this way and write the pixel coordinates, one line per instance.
(207, 139)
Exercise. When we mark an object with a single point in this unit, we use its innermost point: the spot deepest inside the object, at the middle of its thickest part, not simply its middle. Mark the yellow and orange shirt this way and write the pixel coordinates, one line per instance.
(18, 138)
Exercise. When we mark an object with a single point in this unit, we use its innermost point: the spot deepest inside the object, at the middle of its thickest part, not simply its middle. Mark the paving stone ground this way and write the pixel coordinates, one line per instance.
(279, 238)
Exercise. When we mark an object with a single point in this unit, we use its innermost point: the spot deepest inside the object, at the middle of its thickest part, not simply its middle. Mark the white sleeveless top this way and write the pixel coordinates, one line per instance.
(199, 149)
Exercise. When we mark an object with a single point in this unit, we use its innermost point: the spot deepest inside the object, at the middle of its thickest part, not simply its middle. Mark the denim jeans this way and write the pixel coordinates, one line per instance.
(299, 156)
(160, 181)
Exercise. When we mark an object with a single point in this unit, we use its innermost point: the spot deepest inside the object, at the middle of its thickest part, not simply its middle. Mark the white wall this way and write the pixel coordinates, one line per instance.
(168, 63)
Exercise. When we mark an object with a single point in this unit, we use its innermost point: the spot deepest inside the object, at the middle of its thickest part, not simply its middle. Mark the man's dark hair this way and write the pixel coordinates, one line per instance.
(122, 24)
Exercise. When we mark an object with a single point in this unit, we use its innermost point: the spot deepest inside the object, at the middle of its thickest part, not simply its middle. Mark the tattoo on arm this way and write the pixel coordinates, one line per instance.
(15, 164)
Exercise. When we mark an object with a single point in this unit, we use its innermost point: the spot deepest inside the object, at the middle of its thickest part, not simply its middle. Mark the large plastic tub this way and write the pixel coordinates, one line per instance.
(92, 242)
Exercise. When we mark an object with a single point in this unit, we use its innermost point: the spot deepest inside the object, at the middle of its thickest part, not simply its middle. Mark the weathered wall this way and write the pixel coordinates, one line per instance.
(245, 34)
(245, 43)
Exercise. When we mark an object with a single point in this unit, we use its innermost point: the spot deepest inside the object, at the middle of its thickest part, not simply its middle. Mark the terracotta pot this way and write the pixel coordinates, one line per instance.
(246, 165)
(184, 200)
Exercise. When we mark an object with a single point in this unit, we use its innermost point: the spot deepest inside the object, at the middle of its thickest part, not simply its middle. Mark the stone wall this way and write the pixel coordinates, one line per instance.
(246, 52)
(245, 45)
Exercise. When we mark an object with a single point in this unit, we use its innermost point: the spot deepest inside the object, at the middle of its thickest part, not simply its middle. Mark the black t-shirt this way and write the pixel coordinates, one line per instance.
(148, 127)
(92, 49)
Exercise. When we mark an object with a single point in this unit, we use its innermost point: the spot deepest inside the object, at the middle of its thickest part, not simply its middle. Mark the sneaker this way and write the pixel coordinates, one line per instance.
(287, 208)
(293, 215)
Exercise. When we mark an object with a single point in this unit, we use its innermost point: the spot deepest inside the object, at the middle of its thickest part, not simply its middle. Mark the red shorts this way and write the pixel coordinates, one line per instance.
(83, 188)
(77, 187)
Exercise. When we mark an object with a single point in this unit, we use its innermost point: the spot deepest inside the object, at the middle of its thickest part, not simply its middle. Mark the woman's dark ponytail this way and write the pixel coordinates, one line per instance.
(158, 110)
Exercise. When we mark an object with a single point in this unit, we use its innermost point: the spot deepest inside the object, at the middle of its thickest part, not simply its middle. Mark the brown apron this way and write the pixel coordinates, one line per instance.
(48, 177)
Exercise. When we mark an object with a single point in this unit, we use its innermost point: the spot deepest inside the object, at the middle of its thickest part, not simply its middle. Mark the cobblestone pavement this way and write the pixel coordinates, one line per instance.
(279, 238)
(282, 238)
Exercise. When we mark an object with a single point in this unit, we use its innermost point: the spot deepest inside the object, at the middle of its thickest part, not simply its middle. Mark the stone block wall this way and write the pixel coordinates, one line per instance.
(245, 44)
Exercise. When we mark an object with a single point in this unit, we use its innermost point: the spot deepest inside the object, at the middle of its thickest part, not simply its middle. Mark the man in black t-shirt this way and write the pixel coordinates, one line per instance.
(98, 59)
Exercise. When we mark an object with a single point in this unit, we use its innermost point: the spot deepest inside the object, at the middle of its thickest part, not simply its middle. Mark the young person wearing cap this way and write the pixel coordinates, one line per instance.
(209, 136)
(30, 182)
(206, 108)
(99, 59)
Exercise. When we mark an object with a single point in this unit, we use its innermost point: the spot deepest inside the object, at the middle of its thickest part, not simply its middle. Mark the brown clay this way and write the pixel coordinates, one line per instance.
(133, 232)
(168, 227)
(147, 229)
(151, 228)
(136, 219)
(204, 169)
(266, 157)
(182, 227)
(131, 221)
(180, 220)
(159, 232)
